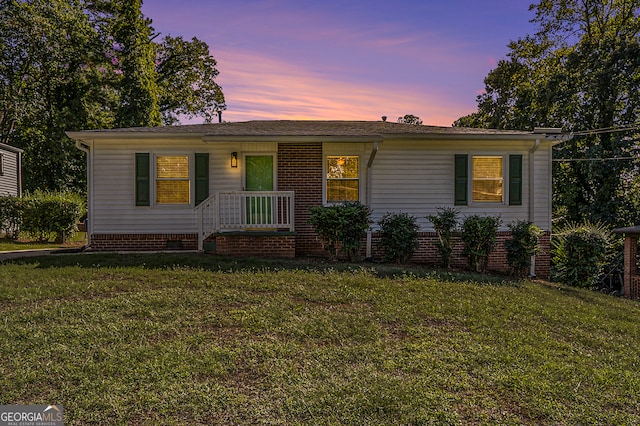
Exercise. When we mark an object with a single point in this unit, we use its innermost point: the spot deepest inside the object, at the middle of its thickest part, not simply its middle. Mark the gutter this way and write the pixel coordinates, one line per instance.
(82, 147)
(532, 187)
(556, 136)
(87, 149)
(372, 157)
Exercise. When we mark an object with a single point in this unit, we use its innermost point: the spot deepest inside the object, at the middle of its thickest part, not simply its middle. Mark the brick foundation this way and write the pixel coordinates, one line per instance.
(271, 244)
(427, 253)
(143, 242)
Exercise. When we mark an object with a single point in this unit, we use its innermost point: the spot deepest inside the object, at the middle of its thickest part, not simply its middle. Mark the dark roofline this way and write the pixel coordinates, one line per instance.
(311, 130)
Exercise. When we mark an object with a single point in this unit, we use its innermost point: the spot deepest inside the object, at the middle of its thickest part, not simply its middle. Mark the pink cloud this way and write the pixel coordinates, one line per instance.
(260, 87)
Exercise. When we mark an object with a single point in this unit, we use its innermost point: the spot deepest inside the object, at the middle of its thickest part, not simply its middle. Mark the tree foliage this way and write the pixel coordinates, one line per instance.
(186, 75)
(80, 64)
(409, 119)
(580, 71)
(579, 254)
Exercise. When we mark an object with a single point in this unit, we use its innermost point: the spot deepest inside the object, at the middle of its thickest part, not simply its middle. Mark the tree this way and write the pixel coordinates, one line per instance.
(186, 74)
(44, 48)
(580, 71)
(410, 119)
(127, 34)
(90, 64)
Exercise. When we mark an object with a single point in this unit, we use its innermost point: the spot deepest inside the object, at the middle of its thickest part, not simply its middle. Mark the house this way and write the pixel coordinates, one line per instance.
(246, 187)
(10, 170)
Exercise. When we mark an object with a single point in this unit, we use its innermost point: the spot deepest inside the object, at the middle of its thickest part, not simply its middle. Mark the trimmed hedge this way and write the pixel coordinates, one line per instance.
(43, 215)
(399, 236)
(342, 227)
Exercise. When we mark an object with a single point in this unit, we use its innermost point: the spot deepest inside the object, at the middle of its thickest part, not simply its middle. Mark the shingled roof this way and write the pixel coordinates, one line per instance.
(306, 128)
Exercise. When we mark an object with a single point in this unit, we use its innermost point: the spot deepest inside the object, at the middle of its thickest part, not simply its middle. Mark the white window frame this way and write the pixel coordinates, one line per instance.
(154, 179)
(504, 158)
(325, 179)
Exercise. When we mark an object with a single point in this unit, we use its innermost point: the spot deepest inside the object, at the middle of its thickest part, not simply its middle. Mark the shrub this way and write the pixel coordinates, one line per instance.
(399, 236)
(445, 223)
(341, 226)
(522, 246)
(579, 254)
(11, 216)
(52, 214)
(479, 237)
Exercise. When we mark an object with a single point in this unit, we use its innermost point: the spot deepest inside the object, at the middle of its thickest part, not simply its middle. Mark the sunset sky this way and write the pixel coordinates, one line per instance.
(348, 59)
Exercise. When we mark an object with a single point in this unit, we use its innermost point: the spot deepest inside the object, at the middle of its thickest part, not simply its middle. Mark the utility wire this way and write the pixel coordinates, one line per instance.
(605, 130)
(571, 160)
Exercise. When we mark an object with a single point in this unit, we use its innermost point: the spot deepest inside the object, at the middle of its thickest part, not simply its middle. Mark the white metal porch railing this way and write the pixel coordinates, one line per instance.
(245, 210)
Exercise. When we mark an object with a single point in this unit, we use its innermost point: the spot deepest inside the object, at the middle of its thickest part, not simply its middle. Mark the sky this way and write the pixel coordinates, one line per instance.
(348, 59)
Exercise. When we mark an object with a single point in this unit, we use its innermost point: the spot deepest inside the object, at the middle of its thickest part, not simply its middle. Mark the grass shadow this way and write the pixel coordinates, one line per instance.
(208, 262)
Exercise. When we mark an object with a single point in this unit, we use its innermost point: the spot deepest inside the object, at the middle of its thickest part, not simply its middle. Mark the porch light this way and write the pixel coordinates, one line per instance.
(234, 159)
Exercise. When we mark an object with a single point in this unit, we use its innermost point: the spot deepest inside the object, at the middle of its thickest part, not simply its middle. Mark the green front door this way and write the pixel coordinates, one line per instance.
(259, 177)
(259, 172)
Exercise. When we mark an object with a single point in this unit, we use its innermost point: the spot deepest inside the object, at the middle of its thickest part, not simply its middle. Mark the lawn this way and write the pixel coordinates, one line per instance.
(26, 243)
(196, 339)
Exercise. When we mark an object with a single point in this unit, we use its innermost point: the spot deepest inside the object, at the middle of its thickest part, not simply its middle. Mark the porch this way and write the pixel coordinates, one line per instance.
(240, 215)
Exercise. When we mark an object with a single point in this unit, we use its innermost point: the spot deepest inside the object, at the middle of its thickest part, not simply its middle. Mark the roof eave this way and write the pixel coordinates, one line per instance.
(10, 148)
(291, 138)
(467, 136)
(105, 134)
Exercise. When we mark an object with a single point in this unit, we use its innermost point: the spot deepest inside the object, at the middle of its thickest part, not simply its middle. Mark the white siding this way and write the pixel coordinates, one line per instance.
(415, 177)
(418, 177)
(9, 177)
(113, 209)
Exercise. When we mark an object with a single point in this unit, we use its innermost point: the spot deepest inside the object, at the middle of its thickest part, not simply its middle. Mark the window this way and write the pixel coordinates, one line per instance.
(487, 179)
(1, 165)
(173, 182)
(343, 179)
(172, 179)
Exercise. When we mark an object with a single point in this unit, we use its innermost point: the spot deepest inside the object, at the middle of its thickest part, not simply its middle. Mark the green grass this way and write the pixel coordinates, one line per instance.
(25, 243)
(195, 339)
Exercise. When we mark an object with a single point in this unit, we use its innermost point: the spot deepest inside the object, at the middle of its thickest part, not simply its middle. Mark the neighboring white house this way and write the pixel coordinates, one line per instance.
(176, 186)
(10, 170)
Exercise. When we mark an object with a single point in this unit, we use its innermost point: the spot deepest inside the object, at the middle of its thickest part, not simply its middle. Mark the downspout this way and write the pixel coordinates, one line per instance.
(532, 172)
(372, 157)
(86, 149)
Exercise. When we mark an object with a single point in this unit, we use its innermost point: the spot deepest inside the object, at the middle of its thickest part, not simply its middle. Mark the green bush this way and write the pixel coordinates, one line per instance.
(445, 222)
(479, 235)
(52, 214)
(341, 226)
(522, 246)
(579, 254)
(11, 216)
(399, 236)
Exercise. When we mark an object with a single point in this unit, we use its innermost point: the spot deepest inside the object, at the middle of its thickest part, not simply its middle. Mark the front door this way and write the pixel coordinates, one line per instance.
(259, 177)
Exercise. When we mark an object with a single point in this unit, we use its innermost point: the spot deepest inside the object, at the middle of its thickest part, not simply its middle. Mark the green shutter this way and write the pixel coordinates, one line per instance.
(515, 180)
(143, 180)
(461, 179)
(202, 177)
